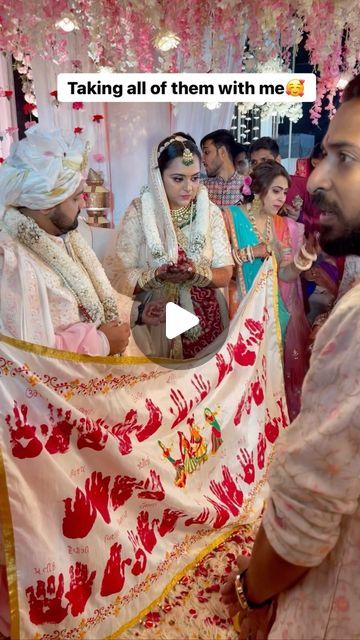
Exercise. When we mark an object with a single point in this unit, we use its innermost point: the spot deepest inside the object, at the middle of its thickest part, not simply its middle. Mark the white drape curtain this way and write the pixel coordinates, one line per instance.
(198, 120)
(7, 107)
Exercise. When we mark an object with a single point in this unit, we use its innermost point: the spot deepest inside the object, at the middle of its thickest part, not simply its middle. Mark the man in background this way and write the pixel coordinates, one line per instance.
(241, 160)
(223, 182)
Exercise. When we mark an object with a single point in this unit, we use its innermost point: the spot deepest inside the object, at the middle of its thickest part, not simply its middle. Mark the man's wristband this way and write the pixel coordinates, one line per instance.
(241, 593)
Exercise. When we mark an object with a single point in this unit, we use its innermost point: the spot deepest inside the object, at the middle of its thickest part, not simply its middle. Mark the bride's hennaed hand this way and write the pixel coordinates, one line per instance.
(179, 277)
(177, 273)
(161, 272)
(187, 268)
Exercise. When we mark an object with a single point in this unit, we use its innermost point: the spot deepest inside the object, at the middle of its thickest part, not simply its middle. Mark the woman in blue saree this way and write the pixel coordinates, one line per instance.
(256, 231)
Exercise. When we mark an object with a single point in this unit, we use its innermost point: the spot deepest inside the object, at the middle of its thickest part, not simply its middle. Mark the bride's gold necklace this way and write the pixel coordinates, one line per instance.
(182, 217)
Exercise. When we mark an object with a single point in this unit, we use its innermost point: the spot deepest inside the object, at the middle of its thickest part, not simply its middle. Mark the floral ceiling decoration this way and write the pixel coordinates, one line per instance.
(121, 35)
(293, 111)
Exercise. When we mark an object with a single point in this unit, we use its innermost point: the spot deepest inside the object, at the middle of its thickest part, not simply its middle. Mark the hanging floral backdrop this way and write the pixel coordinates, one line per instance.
(154, 35)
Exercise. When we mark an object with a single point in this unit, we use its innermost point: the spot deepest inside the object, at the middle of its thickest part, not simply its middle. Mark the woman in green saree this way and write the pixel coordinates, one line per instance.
(256, 231)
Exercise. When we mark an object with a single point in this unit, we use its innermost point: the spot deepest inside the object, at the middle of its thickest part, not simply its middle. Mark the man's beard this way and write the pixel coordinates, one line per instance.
(212, 172)
(342, 241)
(61, 222)
(345, 246)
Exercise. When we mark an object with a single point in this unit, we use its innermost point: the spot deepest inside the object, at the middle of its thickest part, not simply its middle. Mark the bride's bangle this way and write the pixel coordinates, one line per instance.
(148, 280)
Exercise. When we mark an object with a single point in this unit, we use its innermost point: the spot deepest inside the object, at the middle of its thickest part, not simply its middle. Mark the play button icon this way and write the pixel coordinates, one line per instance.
(199, 335)
(178, 320)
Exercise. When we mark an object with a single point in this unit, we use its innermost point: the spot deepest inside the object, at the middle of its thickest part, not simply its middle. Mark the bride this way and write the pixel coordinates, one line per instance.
(172, 243)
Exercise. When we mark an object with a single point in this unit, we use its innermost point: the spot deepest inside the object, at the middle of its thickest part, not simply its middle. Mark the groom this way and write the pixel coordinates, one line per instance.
(54, 291)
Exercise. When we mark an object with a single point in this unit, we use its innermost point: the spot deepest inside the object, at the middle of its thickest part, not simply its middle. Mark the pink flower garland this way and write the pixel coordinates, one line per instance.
(121, 34)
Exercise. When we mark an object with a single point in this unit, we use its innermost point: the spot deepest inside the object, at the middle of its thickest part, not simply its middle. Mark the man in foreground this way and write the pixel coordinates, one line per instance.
(306, 554)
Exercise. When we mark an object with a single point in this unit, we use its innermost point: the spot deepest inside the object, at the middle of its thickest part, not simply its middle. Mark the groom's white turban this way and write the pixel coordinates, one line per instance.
(42, 170)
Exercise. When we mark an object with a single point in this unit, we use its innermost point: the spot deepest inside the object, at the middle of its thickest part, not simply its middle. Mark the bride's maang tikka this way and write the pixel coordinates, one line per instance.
(187, 156)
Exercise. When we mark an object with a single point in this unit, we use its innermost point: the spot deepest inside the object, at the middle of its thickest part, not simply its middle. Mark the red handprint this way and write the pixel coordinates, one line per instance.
(244, 405)
(122, 431)
(232, 490)
(122, 490)
(169, 521)
(261, 448)
(140, 556)
(224, 367)
(247, 462)
(227, 492)
(182, 407)
(24, 441)
(201, 387)
(80, 587)
(97, 490)
(45, 606)
(242, 354)
(114, 574)
(256, 329)
(145, 530)
(59, 439)
(271, 427)
(200, 519)
(92, 435)
(156, 491)
(222, 514)
(257, 392)
(221, 494)
(79, 517)
(153, 423)
(284, 420)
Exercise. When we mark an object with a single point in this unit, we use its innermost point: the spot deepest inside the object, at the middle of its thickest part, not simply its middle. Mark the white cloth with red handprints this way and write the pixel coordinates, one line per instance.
(119, 473)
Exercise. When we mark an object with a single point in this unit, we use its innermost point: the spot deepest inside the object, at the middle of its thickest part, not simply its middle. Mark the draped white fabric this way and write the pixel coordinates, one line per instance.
(150, 468)
(198, 120)
(133, 130)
